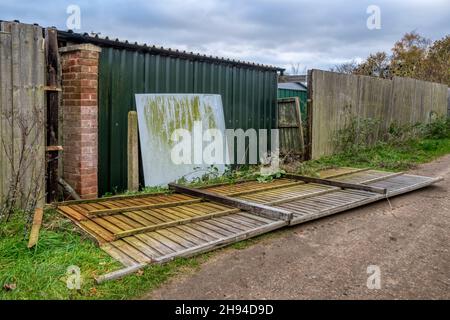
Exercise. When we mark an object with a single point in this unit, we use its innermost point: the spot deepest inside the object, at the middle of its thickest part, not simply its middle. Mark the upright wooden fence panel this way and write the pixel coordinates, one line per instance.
(290, 124)
(337, 98)
(22, 145)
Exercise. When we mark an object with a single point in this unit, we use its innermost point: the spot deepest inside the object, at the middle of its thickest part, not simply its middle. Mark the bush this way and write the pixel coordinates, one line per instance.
(357, 135)
(363, 134)
(437, 129)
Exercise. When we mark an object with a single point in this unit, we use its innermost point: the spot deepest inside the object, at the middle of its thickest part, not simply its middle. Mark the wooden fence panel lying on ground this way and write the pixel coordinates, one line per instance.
(22, 145)
(337, 98)
(145, 229)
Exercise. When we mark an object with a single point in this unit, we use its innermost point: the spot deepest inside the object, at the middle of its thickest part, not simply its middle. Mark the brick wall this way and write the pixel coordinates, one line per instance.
(80, 112)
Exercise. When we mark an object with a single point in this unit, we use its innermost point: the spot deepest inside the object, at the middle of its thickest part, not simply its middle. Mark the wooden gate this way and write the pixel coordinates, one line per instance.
(290, 124)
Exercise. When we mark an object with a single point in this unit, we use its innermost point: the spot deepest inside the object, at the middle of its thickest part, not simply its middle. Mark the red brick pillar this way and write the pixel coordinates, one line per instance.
(80, 111)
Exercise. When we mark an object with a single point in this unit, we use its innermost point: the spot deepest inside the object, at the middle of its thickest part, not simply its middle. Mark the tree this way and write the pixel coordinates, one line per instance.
(296, 69)
(346, 67)
(412, 56)
(408, 55)
(436, 66)
(376, 65)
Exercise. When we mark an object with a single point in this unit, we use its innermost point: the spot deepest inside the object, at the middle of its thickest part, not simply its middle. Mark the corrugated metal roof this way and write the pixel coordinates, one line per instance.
(292, 86)
(106, 42)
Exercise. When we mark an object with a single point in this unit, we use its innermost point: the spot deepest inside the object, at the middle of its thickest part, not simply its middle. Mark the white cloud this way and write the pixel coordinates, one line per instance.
(316, 34)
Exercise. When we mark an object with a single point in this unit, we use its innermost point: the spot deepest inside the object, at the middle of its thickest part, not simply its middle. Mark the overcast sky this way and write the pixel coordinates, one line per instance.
(315, 34)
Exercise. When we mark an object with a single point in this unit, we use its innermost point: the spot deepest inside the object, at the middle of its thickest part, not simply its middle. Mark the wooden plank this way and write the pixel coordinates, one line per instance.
(27, 158)
(175, 238)
(68, 188)
(118, 255)
(108, 212)
(131, 251)
(266, 188)
(202, 235)
(68, 211)
(300, 125)
(302, 196)
(415, 186)
(173, 223)
(188, 236)
(221, 242)
(53, 81)
(335, 183)
(119, 273)
(133, 152)
(254, 208)
(188, 252)
(52, 88)
(155, 244)
(54, 148)
(6, 108)
(108, 199)
(97, 230)
(36, 226)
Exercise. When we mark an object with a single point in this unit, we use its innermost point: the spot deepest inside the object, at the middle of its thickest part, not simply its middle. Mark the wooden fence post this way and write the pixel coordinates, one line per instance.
(52, 89)
(133, 152)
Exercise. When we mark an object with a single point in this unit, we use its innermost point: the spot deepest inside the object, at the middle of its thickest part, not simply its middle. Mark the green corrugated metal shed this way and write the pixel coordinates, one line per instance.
(289, 90)
(248, 91)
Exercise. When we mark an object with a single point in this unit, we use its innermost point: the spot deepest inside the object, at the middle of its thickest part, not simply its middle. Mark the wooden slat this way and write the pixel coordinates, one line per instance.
(257, 190)
(241, 204)
(36, 226)
(6, 108)
(174, 223)
(108, 212)
(193, 250)
(118, 255)
(53, 80)
(133, 152)
(339, 184)
(156, 245)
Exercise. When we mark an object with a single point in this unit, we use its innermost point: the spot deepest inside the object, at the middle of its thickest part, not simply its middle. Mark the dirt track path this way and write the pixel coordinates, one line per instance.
(328, 258)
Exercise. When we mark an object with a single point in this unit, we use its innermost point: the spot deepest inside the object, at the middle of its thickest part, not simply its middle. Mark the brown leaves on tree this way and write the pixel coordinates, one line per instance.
(413, 56)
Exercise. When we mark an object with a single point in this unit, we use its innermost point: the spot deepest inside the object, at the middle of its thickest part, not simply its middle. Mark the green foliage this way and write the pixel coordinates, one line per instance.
(40, 273)
(401, 148)
(145, 190)
(437, 129)
(264, 178)
(231, 175)
(358, 134)
(413, 56)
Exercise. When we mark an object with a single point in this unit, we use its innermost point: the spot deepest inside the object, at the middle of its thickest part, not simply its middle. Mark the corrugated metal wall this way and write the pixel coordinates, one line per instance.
(302, 95)
(248, 96)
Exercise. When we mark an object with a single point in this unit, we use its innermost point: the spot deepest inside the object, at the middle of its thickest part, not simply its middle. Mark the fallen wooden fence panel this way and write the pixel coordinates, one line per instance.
(146, 229)
(314, 201)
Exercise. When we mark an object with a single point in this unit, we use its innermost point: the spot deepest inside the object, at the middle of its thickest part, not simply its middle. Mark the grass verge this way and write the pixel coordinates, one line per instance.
(41, 273)
(383, 156)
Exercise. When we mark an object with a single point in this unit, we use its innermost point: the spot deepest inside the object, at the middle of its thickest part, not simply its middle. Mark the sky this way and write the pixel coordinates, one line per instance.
(308, 34)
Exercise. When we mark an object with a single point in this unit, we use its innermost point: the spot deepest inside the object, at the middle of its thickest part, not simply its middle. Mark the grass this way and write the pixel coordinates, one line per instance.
(403, 148)
(383, 156)
(41, 273)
